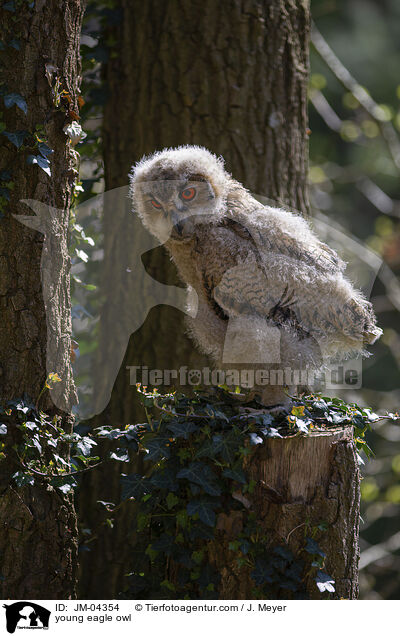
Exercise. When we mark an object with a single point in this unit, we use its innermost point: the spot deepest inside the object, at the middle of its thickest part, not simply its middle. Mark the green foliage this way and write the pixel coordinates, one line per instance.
(44, 453)
(197, 450)
(354, 181)
(17, 137)
(15, 98)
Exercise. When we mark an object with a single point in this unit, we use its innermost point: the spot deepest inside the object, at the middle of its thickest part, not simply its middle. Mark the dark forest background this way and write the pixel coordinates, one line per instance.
(354, 169)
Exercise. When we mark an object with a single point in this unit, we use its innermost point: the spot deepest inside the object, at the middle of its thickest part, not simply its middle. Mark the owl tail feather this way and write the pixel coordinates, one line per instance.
(372, 335)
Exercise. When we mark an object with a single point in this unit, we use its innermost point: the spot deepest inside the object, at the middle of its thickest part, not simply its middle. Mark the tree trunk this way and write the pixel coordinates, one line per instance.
(230, 76)
(302, 482)
(38, 535)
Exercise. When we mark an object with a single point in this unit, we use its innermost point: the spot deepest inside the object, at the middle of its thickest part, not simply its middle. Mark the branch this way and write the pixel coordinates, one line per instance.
(371, 191)
(359, 93)
(377, 552)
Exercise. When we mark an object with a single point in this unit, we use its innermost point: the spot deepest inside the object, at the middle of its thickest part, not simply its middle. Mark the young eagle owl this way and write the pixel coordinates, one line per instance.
(266, 289)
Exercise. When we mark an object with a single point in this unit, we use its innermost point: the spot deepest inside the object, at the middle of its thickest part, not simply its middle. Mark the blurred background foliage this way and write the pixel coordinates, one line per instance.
(354, 180)
(354, 120)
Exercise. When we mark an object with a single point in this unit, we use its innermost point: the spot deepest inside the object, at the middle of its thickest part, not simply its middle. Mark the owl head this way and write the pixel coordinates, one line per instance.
(178, 188)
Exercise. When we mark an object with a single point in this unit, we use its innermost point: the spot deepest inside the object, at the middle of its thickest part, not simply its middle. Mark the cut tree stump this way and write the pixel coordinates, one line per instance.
(300, 482)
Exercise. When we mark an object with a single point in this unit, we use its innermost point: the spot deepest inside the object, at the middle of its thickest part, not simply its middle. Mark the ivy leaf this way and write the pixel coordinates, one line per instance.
(84, 445)
(298, 411)
(325, 583)
(18, 100)
(202, 475)
(320, 405)
(157, 448)
(262, 573)
(44, 150)
(164, 479)
(208, 577)
(236, 474)
(131, 434)
(283, 553)
(358, 420)
(168, 585)
(337, 418)
(201, 531)
(114, 433)
(245, 546)
(265, 419)
(65, 484)
(165, 544)
(32, 426)
(224, 444)
(61, 460)
(312, 547)
(23, 479)
(137, 584)
(120, 455)
(36, 444)
(216, 413)
(108, 505)
(255, 439)
(270, 432)
(65, 488)
(286, 584)
(171, 500)
(17, 137)
(9, 6)
(134, 486)
(184, 559)
(295, 571)
(208, 449)
(21, 406)
(323, 526)
(182, 429)
(302, 425)
(391, 416)
(205, 509)
(372, 417)
(42, 162)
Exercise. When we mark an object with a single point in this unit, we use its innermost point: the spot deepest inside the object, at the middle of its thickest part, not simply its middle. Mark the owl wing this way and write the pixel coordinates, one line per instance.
(280, 241)
(306, 292)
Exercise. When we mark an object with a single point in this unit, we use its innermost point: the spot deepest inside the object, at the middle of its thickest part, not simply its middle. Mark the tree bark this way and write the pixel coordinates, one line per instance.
(38, 538)
(300, 483)
(230, 76)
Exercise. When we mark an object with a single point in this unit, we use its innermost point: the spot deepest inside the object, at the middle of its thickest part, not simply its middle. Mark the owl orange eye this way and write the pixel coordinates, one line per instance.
(188, 194)
(155, 204)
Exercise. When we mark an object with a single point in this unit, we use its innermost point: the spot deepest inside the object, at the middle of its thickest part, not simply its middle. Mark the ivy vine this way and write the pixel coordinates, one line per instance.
(195, 448)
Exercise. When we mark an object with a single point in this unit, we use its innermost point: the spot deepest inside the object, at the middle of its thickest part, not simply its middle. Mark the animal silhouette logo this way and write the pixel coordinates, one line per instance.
(26, 615)
(130, 292)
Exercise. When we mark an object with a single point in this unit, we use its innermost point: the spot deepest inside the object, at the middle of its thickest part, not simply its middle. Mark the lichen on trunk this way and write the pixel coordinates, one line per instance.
(38, 535)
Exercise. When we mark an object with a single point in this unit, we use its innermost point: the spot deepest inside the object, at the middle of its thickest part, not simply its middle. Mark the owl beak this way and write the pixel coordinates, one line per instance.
(177, 226)
(177, 231)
